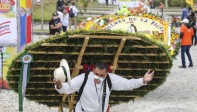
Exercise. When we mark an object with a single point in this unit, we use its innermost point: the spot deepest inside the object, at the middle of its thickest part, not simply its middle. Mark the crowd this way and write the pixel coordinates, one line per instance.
(64, 18)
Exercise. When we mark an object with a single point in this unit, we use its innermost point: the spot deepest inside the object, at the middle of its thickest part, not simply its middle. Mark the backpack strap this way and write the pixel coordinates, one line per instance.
(109, 82)
(82, 86)
(104, 95)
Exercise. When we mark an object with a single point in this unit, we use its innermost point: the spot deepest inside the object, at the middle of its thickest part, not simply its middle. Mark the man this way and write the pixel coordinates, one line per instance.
(55, 24)
(184, 12)
(60, 5)
(92, 98)
(186, 36)
(73, 15)
(106, 1)
(65, 20)
(161, 6)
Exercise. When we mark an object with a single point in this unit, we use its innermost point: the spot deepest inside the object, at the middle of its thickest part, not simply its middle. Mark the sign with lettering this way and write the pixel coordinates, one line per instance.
(8, 23)
(136, 24)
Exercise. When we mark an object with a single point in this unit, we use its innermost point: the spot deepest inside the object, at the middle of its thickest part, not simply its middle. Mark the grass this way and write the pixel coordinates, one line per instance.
(49, 6)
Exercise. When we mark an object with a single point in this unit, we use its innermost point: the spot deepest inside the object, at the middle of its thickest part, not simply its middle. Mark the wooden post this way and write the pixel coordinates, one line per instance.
(118, 53)
(75, 72)
(165, 33)
(42, 15)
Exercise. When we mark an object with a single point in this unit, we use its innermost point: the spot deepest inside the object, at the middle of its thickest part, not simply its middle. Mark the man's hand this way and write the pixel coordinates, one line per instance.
(58, 83)
(148, 76)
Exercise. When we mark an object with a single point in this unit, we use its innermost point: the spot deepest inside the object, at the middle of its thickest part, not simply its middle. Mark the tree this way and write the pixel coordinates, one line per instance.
(166, 4)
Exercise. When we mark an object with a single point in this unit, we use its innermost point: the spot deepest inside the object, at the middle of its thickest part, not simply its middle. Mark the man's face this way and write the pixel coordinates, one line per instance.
(100, 73)
(55, 17)
(64, 12)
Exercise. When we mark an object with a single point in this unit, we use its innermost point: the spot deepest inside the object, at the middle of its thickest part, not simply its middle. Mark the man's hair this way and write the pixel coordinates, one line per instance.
(73, 3)
(101, 65)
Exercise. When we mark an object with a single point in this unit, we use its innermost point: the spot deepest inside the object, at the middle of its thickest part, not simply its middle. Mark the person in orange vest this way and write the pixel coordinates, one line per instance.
(186, 36)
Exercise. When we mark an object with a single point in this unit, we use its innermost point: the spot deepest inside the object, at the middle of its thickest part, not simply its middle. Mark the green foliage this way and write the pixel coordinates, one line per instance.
(85, 4)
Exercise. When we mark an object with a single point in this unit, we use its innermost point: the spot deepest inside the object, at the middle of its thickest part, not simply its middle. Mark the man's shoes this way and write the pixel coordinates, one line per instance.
(191, 65)
(182, 66)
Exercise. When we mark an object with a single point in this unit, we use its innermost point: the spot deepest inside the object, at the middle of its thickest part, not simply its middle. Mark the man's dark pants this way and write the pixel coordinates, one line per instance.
(186, 49)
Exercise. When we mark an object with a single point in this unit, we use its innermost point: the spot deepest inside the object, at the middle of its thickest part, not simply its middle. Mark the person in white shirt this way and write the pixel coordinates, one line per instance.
(65, 20)
(73, 17)
(95, 95)
(60, 15)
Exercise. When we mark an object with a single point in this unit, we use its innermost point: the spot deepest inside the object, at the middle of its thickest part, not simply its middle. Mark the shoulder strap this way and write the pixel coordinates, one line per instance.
(82, 86)
(109, 82)
(104, 90)
(104, 96)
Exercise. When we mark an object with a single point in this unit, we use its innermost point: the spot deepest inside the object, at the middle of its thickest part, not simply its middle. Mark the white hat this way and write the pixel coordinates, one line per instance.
(63, 72)
(185, 21)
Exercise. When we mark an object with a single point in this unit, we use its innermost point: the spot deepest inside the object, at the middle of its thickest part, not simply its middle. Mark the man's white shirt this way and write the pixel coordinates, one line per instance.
(65, 20)
(89, 100)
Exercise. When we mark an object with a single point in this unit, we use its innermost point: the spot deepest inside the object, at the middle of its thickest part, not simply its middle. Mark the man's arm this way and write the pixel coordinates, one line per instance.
(63, 88)
(57, 26)
(182, 30)
(54, 27)
(120, 83)
(181, 35)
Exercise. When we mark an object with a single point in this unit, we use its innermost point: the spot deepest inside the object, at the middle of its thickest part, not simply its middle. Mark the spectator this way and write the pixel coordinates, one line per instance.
(192, 23)
(148, 6)
(55, 24)
(151, 4)
(184, 12)
(67, 7)
(60, 15)
(161, 7)
(174, 21)
(189, 10)
(65, 21)
(73, 15)
(186, 35)
(60, 5)
(107, 2)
